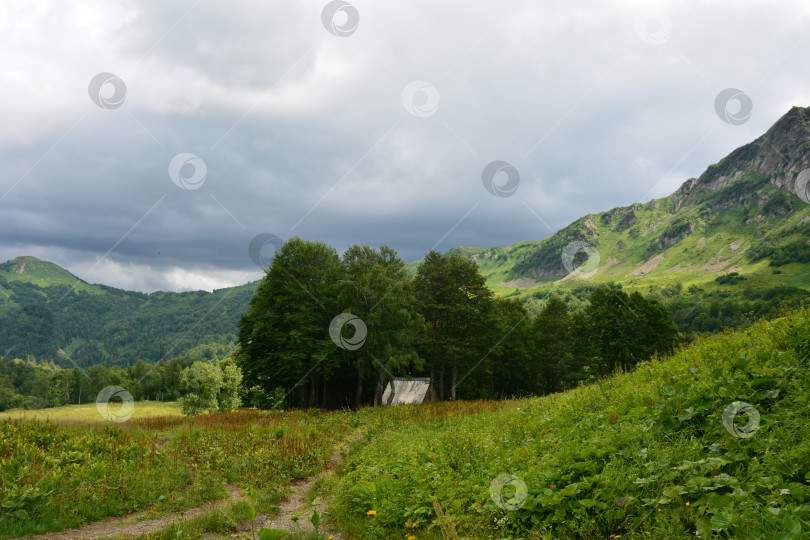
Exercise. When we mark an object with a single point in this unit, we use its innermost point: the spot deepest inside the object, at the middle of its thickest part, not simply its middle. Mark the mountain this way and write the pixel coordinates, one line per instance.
(47, 312)
(741, 215)
(732, 242)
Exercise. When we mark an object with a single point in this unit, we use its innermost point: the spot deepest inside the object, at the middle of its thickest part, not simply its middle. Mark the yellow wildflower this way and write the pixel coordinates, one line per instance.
(372, 512)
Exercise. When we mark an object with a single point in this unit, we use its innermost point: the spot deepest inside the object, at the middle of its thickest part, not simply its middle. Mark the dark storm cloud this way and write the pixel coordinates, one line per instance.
(305, 133)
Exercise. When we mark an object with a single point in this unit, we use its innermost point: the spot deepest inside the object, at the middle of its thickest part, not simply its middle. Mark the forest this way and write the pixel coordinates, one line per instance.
(443, 323)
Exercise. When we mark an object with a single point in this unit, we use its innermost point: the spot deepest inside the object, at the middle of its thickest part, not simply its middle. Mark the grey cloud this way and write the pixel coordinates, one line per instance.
(304, 133)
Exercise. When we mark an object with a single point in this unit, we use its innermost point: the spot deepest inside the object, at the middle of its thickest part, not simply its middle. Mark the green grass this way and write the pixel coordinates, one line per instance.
(640, 455)
(90, 413)
(58, 476)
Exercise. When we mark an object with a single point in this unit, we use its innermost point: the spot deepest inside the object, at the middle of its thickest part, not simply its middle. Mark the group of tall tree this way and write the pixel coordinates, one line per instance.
(199, 386)
(443, 323)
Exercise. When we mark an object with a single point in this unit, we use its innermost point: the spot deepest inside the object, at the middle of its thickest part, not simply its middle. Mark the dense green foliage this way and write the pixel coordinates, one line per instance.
(791, 244)
(30, 384)
(703, 310)
(283, 338)
(641, 455)
(456, 305)
(210, 387)
(443, 323)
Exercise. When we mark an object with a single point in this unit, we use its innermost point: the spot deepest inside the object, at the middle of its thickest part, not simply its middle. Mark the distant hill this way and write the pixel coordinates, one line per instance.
(741, 215)
(40, 273)
(47, 312)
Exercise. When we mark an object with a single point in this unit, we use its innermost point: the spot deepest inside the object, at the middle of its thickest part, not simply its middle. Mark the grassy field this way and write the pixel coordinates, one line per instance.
(90, 413)
(713, 442)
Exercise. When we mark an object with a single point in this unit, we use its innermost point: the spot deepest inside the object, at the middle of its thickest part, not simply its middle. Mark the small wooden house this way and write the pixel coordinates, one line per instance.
(403, 391)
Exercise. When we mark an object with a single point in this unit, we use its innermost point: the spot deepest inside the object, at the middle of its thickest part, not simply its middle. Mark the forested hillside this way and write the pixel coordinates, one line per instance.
(48, 313)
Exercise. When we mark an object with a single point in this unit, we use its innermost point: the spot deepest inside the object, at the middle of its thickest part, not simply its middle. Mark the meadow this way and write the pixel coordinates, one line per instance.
(62, 475)
(88, 412)
(713, 441)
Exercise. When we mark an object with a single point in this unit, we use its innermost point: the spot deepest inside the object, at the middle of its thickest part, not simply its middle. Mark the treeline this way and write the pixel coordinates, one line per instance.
(729, 304)
(444, 323)
(199, 386)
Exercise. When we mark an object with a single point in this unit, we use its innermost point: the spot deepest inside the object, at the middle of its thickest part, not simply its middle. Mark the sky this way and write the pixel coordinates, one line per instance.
(148, 145)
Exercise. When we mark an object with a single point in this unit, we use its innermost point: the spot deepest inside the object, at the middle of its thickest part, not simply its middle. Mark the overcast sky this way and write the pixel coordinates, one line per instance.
(370, 122)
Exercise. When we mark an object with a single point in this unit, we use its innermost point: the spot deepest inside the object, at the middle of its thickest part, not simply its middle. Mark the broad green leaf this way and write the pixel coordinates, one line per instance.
(272, 534)
(720, 521)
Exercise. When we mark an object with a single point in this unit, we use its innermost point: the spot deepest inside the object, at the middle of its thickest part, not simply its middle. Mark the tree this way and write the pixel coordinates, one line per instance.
(660, 333)
(283, 339)
(584, 360)
(455, 303)
(172, 376)
(553, 345)
(154, 382)
(376, 288)
(508, 348)
(228, 397)
(626, 329)
(201, 384)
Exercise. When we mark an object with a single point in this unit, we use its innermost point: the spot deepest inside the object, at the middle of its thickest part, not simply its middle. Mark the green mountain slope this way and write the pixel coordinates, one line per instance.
(741, 215)
(47, 312)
